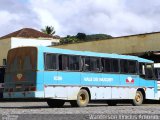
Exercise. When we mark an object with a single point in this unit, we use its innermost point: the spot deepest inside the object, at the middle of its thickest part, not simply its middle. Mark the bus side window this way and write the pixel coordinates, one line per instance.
(95, 64)
(50, 61)
(106, 65)
(132, 67)
(124, 66)
(60, 62)
(142, 69)
(86, 64)
(74, 63)
(110, 65)
(69, 62)
(65, 62)
(114, 65)
(149, 71)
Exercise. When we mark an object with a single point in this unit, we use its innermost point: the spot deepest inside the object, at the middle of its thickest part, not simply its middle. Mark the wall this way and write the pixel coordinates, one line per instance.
(5, 45)
(18, 42)
(121, 45)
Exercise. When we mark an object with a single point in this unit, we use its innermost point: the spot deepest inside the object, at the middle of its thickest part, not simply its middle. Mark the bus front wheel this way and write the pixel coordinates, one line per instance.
(82, 99)
(55, 103)
(138, 100)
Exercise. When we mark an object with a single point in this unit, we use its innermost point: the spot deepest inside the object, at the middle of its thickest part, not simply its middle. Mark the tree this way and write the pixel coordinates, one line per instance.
(81, 36)
(48, 30)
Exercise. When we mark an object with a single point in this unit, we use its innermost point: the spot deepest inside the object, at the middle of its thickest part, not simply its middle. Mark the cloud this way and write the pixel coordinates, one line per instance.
(113, 17)
(16, 15)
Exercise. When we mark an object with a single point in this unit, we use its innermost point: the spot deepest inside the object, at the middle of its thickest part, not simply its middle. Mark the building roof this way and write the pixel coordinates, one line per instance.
(28, 33)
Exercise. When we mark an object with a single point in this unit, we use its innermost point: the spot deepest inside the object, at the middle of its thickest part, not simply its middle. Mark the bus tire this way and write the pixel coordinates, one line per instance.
(55, 103)
(138, 99)
(82, 99)
(112, 103)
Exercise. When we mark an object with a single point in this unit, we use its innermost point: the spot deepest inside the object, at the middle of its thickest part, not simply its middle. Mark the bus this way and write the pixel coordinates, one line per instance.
(157, 73)
(61, 75)
(2, 73)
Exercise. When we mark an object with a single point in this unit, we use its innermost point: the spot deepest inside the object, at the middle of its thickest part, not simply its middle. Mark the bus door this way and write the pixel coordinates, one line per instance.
(157, 73)
(147, 79)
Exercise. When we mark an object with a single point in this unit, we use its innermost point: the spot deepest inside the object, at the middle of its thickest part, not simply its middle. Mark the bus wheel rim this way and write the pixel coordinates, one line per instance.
(83, 98)
(138, 97)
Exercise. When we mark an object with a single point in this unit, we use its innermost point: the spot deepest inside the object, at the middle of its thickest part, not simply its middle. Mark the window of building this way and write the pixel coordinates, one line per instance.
(4, 62)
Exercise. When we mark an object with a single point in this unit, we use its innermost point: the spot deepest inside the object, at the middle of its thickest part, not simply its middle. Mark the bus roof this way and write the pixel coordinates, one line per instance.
(87, 53)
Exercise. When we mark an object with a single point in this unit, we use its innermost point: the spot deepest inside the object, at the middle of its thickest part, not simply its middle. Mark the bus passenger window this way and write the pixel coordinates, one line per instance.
(106, 65)
(149, 71)
(95, 64)
(65, 62)
(123, 66)
(114, 65)
(50, 61)
(142, 68)
(74, 62)
(86, 64)
(110, 65)
(132, 67)
(69, 62)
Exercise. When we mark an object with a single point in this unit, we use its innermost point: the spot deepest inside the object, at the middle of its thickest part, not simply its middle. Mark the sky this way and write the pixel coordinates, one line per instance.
(68, 17)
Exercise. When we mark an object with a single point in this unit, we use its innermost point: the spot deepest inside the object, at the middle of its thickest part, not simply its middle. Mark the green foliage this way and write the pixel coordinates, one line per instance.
(81, 37)
(98, 37)
(68, 39)
(48, 30)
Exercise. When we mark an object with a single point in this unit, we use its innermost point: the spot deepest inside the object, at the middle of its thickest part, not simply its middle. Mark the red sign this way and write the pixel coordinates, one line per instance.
(129, 80)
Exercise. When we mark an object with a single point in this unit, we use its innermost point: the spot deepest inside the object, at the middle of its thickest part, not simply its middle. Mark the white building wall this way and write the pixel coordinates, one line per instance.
(19, 42)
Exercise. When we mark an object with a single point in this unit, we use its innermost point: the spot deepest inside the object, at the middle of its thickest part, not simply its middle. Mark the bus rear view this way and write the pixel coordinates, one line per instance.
(20, 78)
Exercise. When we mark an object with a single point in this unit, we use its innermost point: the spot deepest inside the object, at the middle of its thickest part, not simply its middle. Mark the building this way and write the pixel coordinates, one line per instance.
(145, 45)
(24, 37)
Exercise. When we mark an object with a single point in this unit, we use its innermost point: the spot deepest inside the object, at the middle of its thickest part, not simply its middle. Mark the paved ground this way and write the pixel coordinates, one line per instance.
(40, 110)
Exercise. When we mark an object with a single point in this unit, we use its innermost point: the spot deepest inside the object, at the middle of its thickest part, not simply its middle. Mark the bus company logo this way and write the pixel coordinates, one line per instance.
(129, 80)
(57, 78)
(19, 76)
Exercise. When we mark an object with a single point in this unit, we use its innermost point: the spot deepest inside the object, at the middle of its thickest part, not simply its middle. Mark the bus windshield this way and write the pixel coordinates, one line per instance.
(20, 59)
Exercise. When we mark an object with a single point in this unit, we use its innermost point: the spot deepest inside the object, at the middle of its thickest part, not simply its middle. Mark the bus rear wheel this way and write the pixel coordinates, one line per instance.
(55, 103)
(82, 99)
(138, 99)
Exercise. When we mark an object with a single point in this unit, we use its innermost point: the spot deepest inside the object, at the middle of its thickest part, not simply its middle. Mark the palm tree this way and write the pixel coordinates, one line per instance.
(48, 30)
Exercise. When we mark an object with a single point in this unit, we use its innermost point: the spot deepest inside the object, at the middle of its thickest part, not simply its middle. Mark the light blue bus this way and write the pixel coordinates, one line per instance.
(60, 75)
